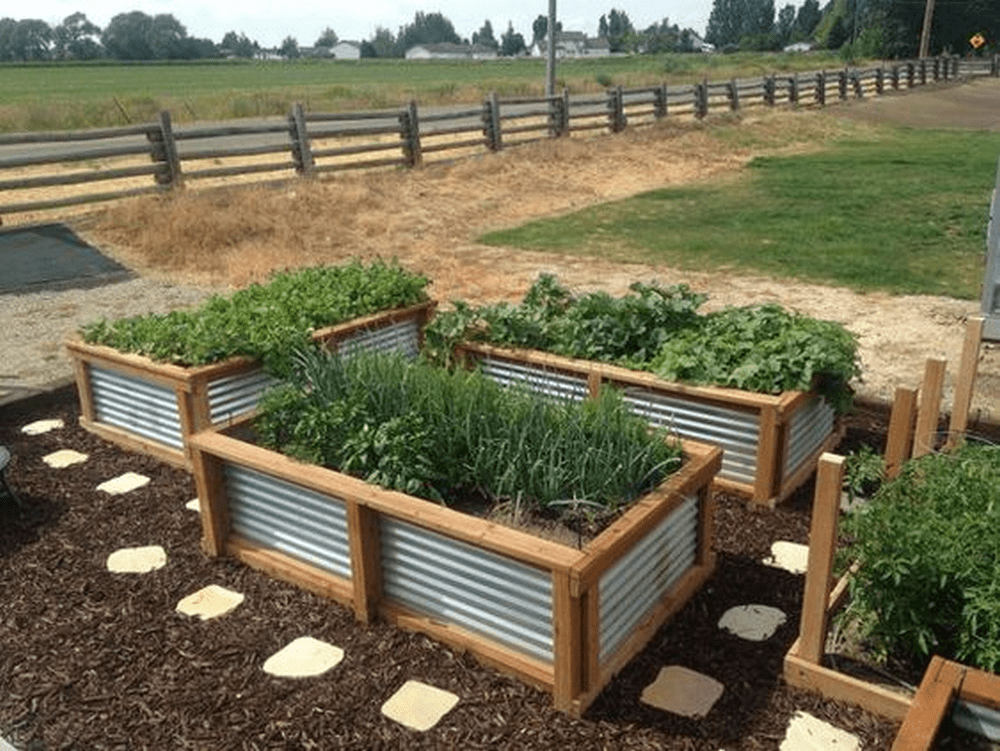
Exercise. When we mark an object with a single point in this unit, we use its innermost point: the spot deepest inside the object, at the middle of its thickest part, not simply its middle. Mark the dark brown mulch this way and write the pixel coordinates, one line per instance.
(92, 660)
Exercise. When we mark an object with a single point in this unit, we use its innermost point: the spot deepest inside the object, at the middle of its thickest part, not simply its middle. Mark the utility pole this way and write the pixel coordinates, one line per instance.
(925, 36)
(550, 53)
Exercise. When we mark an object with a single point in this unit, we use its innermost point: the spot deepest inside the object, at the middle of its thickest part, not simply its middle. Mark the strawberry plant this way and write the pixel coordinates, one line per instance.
(269, 320)
(443, 435)
(929, 548)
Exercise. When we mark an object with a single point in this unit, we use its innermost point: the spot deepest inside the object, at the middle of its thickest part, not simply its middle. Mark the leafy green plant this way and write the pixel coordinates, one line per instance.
(269, 320)
(864, 471)
(929, 549)
(442, 434)
(758, 348)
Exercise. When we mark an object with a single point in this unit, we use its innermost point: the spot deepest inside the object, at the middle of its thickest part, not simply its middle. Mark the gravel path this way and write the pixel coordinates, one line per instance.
(37, 324)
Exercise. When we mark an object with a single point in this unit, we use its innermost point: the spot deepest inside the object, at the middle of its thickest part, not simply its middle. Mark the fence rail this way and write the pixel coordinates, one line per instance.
(307, 144)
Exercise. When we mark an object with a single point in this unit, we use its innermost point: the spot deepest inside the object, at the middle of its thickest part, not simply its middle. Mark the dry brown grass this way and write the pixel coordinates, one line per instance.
(427, 218)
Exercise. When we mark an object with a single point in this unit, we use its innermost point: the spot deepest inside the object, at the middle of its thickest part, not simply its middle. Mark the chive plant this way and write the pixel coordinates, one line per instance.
(445, 435)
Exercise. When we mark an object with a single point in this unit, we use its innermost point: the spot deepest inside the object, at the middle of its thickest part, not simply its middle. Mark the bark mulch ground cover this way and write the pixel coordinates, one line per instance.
(94, 660)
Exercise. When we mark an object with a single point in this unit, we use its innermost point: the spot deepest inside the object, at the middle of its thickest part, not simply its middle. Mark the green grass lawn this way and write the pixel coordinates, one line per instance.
(904, 211)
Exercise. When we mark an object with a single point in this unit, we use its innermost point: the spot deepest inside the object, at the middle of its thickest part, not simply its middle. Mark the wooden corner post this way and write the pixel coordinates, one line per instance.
(822, 538)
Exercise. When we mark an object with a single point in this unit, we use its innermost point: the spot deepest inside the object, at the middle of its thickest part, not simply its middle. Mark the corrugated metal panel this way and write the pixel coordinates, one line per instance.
(638, 580)
(535, 379)
(141, 407)
(232, 396)
(457, 583)
(808, 427)
(736, 432)
(288, 518)
(402, 336)
(976, 718)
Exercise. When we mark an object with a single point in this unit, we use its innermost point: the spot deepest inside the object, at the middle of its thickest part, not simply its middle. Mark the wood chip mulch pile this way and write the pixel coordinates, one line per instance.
(94, 660)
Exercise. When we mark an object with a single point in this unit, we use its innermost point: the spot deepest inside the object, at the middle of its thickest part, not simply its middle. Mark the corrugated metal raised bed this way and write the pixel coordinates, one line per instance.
(561, 618)
(770, 442)
(153, 407)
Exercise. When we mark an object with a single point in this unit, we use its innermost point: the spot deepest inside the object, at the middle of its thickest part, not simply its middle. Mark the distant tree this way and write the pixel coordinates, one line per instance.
(31, 40)
(786, 23)
(427, 28)
(839, 34)
(485, 36)
(660, 37)
(7, 26)
(126, 37)
(725, 22)
(240, 45)
(382, 44)
(808, 18)
(540, 28)
(512, 42)
(168, 38)
(616, 28)
(289, 48)
(327, 39)
(75, 38)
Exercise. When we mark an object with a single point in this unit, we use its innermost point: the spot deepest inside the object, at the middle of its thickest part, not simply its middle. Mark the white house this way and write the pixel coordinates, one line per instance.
(450, 51)
(346, 50)
(573, 44)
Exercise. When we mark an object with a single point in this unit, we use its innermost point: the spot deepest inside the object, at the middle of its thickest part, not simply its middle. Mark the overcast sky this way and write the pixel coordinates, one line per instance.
(270, 21)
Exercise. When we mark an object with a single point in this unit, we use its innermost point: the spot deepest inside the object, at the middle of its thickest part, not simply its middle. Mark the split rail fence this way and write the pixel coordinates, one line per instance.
(53, 165)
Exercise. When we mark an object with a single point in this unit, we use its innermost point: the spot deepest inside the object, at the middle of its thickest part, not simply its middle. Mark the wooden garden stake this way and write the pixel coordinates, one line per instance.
(965, 380)
(900, 433)
(930, 407)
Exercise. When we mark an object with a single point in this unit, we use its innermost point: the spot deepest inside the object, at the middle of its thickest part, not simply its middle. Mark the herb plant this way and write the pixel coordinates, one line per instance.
(267, 320)
(443, 435)
(929, 548)
(764, 349)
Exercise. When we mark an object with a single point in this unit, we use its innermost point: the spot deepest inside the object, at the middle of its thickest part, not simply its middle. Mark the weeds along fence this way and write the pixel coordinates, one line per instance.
(40, 171)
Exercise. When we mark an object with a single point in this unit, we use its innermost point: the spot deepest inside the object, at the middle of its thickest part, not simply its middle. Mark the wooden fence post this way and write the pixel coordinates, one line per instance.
(859, 90)
(895, 77)
(305, 165)
(769, 91)
(491, 123)
(822, 538)
(842, 84)
(564, 131)
(366, 565)
(930, 407)
(880, 81)
(409, 134)
(701, 99)
(965, 380)
(923, 71)
(660, 105)
(793, 90)
(164, 149)
(821, 88)
(734, 95)
(897, 444)
(616, 110)
(910, 75)
(995, 66)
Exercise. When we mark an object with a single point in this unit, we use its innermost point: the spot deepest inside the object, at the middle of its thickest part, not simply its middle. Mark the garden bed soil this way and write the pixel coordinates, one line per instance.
(101, 661)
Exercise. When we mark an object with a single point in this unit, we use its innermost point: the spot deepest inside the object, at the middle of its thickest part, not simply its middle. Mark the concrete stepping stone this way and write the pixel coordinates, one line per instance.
(64, 458)
(752, 622)
(791, 556)
(304, 657)
(808, 733)
(124, 483)
(193, 505)
(139, 560)
(682, 691)
(419, 706)
(212, 601)
(42, 426)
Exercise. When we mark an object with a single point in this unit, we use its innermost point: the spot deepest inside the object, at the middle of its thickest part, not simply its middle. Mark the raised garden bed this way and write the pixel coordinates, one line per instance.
(562, 618)
(761, 382)
(148, 382)
(154, 407)
(770, 442)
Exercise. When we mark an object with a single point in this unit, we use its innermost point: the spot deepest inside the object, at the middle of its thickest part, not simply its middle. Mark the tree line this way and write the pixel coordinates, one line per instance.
(858, 28)
(140, 36)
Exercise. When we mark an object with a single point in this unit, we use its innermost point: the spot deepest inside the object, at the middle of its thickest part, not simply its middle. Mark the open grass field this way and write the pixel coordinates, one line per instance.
(69, 96)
